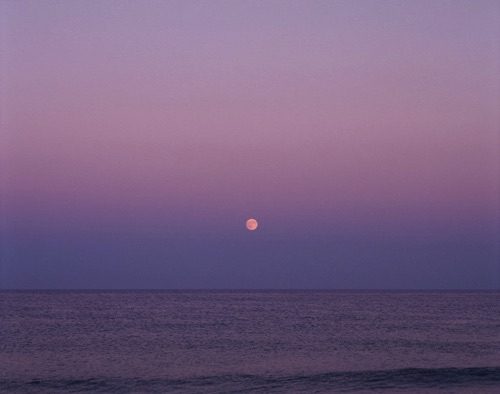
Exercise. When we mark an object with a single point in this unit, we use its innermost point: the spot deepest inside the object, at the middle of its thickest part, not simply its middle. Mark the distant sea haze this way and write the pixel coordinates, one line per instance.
(250, 341)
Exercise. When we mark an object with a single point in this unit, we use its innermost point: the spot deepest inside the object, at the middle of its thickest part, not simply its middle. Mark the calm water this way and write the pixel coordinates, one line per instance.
(215, 342)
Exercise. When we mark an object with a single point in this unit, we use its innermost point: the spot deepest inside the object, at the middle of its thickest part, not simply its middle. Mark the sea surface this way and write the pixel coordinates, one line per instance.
(249, 341)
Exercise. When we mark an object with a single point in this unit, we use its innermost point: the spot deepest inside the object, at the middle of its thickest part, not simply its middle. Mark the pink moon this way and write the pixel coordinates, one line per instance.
(252, 224)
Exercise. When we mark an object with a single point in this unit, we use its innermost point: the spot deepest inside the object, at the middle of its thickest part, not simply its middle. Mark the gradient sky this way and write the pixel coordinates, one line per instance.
(138, 137)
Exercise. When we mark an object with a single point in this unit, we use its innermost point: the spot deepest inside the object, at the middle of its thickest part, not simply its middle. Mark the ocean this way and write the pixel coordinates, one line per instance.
(249, 341)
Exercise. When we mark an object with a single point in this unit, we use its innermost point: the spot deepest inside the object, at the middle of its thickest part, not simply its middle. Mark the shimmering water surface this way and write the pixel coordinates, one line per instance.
(249, 341)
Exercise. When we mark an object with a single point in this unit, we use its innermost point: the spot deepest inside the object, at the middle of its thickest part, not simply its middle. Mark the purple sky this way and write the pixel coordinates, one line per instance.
(138, 137)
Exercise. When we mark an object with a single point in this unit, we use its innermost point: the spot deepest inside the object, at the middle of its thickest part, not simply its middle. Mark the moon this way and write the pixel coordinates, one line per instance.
(252, 224)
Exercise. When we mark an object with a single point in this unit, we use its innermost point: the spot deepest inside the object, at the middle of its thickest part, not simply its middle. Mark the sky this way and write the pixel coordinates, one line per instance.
(138, 137)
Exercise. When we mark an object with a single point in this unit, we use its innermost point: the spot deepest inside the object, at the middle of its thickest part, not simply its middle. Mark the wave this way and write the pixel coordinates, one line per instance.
(407, 379)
